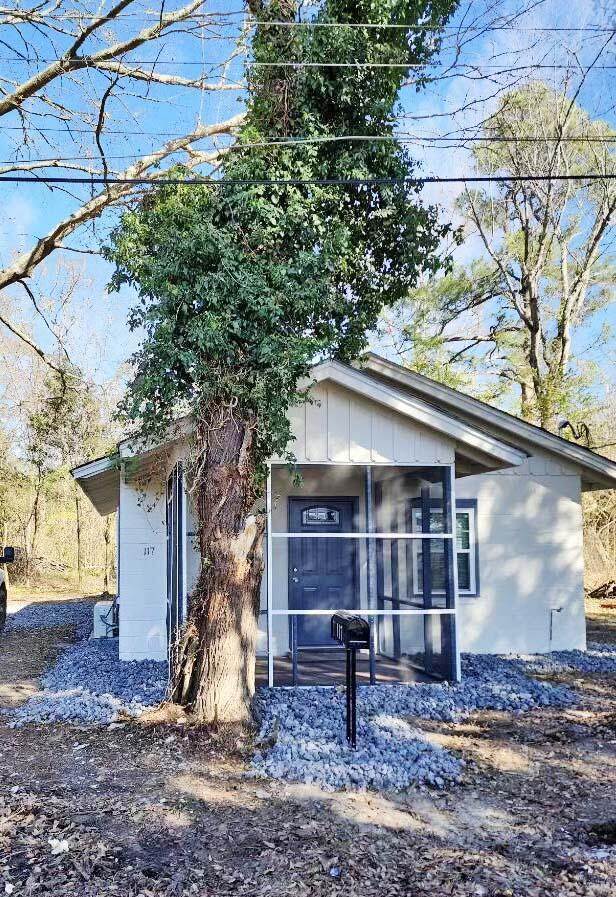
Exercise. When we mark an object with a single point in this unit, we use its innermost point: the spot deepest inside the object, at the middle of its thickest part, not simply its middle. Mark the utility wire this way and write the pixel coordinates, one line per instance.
(330, 65)
(402, 136)
(540, 138)
(447, 143)
(267, 182)
(222, 19)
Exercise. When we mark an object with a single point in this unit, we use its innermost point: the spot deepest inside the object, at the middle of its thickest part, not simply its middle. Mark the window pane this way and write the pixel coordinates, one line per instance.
(464, 572)
(436, 520)
(463, 530)
(320, 516)
(437, 568)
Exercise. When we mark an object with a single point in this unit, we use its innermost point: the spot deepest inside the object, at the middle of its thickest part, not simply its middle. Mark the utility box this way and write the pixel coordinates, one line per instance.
(105, 619)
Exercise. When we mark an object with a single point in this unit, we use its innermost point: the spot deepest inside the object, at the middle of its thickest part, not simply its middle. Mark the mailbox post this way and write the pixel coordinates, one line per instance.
(353, 633)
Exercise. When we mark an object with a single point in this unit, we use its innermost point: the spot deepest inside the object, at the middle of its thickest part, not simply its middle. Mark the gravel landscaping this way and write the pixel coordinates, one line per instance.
(302, 731)
(598, 658)
(301, 735)
(89, 684)
(59, 613)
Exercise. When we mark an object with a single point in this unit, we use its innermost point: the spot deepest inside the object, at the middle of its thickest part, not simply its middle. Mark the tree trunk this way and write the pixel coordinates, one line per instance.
(214, 661)
(78, 534)
(35, 517)
(107, 539)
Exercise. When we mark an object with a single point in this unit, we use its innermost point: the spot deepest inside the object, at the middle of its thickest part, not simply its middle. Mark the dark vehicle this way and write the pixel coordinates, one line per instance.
(7, 557)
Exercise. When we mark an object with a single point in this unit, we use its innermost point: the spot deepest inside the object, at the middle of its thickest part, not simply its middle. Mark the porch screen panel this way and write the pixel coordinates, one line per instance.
(312, 573)
(402, 656)
(324, 559)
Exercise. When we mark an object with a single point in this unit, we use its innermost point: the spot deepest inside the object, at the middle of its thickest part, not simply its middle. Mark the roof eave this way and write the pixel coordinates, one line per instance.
(596, 471)
(99, 480)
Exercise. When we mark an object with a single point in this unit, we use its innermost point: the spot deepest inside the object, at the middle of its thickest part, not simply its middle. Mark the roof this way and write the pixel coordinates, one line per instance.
(477, 450)
(596, 471)
(485, 437)
(100, 480)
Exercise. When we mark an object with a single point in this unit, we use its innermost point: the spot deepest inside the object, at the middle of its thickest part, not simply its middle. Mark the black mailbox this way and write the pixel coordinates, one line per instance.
(353, 633)
(7, 556)
(350, 631)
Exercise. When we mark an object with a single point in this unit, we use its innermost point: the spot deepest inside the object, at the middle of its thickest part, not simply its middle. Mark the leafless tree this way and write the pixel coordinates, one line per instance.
(546, 266)
(73, 93)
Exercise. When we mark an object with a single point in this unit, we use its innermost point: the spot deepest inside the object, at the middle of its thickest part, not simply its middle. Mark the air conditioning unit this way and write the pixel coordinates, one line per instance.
(106, 619)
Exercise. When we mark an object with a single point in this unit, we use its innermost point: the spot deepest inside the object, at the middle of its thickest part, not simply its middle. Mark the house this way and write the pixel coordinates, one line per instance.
(451, 525)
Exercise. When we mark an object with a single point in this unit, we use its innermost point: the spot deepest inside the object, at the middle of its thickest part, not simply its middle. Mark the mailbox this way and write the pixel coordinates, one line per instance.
(353, 633)
(350, 631)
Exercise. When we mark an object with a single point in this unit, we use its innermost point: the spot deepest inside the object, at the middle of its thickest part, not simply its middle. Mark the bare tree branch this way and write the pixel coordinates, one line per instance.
(26, 262)
(154, 77)
(71, 62)
(24, 338)
(43, 317)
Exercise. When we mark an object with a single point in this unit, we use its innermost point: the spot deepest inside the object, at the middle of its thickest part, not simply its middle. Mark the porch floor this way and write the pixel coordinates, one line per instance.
(329, 668)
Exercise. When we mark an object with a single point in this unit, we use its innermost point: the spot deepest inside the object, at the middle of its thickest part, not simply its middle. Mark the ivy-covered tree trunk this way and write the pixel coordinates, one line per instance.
(242, 286)
(214, 663)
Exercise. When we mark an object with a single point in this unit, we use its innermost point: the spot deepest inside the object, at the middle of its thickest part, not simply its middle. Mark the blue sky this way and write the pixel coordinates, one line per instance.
(101, 341)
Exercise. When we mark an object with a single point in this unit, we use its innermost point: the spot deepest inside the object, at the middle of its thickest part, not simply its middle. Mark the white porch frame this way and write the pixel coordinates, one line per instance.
(369, 537)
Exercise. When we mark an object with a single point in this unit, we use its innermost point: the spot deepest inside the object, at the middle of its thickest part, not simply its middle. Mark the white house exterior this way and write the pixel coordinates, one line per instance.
(384, 456)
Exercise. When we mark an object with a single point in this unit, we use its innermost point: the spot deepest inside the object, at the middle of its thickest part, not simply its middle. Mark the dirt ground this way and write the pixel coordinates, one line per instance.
(155, 810)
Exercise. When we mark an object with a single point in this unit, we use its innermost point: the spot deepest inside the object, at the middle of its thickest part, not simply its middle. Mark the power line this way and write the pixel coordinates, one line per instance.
(327, 65)
(453, 28)
(253, 63)
(449, 143)
(539, 138)
(221, 19)
(297, 182)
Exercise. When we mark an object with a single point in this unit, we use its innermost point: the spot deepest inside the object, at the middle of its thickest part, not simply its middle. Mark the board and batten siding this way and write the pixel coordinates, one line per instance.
(340, 426)
(143, 572)
(529, 531)
(531, 560)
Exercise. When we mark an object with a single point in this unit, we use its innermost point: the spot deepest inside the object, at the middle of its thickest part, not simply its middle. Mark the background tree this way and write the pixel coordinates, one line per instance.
(547, 268)
(70, 316)
(9, 487)
(74, 80)
(64, 429)
(600, 507)
(243, 288)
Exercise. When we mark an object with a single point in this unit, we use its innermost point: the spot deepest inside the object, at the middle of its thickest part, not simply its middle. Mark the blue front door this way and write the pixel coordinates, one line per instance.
(322, 572)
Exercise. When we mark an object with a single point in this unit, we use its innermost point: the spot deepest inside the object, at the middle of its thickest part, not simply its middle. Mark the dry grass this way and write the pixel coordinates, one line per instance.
(600, 621)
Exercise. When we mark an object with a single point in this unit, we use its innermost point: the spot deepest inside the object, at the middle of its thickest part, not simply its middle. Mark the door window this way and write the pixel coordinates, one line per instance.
(320, 516)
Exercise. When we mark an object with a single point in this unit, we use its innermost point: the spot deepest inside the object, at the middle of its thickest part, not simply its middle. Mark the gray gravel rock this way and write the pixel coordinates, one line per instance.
(47, 614)
(302, 730)
(311, 746)
(308, 726)
(89, 684)
(598, 658)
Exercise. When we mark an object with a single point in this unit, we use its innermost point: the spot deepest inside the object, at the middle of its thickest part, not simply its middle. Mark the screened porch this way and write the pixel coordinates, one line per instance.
(376, 540)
